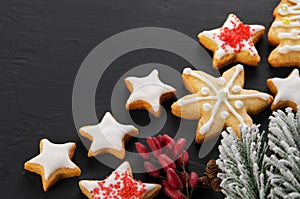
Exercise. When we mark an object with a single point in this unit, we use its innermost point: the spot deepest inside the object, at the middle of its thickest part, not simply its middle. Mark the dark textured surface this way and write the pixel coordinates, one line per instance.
(42, 44)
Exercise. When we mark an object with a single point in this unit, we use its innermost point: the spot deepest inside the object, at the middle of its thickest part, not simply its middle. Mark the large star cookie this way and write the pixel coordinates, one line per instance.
(148, 92)
(286, 90)
(233, 42)
(53, 163)
(108, 136)
(120, 185)
(285, 34)
(218, 102)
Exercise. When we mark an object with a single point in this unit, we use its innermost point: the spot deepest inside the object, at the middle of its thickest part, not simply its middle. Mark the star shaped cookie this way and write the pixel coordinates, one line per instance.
(233, 42)
(53, 163)
(218, 102)
(108, 136)
(286, 91)
(120, 184)
(148, 92)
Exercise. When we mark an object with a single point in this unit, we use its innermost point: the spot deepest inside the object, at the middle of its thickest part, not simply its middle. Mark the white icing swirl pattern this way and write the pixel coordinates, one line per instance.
(221, 96)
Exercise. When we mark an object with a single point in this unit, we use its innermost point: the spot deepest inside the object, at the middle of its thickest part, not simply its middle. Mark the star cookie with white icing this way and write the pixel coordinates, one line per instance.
(233, 42)
(285, 34)
(218, 102)
(119, 185)
(286, 91)
(53, 163)
(108, 136)
(147, 93)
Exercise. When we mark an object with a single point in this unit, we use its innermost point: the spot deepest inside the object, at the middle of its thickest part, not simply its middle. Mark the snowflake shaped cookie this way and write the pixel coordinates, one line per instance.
(120, 185)
(218, 102)
(148, 92)
(286, 90)
(53, 163)
(108, 136)
(233, 42)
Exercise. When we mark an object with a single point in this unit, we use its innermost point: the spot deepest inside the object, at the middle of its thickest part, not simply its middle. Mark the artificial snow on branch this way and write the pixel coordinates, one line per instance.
(241, 163)
(256, 167)
(284, 161)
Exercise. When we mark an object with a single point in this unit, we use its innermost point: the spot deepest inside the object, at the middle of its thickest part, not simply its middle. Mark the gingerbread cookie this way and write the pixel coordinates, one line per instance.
(233, 42)
(53, 163)
(285, 34)
(120, 184)
(108, 136)
(218, 102)
(286, 90)
(148, 92)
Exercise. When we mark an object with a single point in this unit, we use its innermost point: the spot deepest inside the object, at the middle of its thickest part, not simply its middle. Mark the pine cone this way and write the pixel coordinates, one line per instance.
(205, 182)
(211, 169)
(215, 184)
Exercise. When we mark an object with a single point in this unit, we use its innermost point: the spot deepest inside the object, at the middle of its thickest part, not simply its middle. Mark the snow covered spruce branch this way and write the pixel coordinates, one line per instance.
(242, 163)
(284, 162)
(252, 167)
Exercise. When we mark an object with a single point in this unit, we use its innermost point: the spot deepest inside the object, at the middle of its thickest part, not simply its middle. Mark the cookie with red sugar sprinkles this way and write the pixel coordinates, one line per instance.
(233, 42)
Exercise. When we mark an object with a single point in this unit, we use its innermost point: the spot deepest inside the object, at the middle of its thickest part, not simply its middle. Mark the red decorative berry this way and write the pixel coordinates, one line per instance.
(173, 179)
(166, 162)
(154, 146)
(173, 193)
(169, 144)
(160, 139)
(179, 146)
(151, 169)
(194, 179)
(184, 158)
(142, 150)
(184, 177)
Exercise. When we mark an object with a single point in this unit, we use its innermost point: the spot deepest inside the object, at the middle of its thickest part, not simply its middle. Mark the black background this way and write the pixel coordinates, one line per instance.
(43, 43)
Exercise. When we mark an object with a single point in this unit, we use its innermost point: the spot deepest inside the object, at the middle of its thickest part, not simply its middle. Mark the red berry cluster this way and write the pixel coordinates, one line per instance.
(177, 182)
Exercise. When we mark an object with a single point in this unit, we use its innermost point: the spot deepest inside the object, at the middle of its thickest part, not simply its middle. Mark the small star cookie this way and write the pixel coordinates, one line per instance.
(218, 102)
(286, 91)
(108, 136)
(53, 163)
(120, 184)
(233, 42)
(148, 92)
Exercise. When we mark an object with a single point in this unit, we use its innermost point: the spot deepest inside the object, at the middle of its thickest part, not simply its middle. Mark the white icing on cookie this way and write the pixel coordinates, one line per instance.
(238, 104)
(205, 90)
(223, 47)
(236, 89)
(221, 96)
(287, 48)
(224, 114)
(206, 106)
(109, 189)
(53, 157)
(148, 89)
(221, 81)
(107, 134)
(288, 88)
(294, 34)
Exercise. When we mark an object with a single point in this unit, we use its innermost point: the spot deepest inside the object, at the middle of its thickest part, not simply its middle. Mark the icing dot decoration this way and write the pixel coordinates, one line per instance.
(224, 114)
(205, 91)
(221, 80)
(236, 89)
(284, 7)
(238, 104)
(206, 106)
(286, 20)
